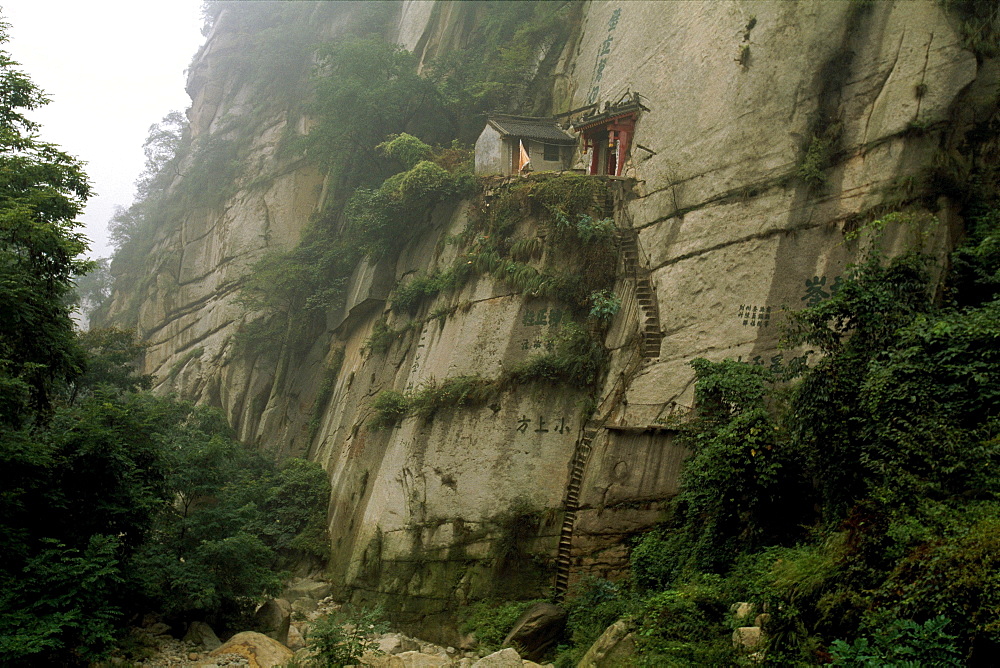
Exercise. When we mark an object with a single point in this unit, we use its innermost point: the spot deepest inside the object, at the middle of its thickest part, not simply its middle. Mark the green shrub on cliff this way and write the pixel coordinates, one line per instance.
(577, 358)
(390, 407)
(311, 278)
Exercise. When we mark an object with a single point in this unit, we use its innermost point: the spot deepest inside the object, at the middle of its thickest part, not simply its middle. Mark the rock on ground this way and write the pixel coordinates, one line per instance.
(615, 647)
(259, 650)
(505, 658)
(306, 588)
(537, 630)
(200, 633)
(273, 619)
(397, 643)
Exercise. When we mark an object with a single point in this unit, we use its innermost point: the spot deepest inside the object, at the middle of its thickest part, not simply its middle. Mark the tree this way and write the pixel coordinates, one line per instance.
(42, 190)
(366, 90)
(112, 355)
(93, 290)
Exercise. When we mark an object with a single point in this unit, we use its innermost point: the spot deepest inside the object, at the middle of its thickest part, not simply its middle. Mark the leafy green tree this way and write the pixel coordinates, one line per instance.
(215, 549)
(42, 190)
(853, 328)
(62, 608)
(80, 494)
(93, 289)
(365, 91)
(112, 357)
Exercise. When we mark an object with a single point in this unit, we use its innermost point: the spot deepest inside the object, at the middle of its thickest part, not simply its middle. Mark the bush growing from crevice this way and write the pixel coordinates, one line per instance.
(578, 359)
(604, 305)
(390, 407)
(454, 392)
(815, 162)
(405, 149)
(383, 336)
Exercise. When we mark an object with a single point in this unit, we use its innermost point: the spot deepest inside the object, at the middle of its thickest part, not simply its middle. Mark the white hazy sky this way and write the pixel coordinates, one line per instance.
(112, 69)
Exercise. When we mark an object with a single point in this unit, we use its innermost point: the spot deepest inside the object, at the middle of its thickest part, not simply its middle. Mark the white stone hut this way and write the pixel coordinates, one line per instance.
(515, 144)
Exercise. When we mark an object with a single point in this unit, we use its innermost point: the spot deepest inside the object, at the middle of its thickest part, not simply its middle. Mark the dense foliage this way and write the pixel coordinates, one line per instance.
(42, 190)
(119, 503)
(114, 503)
(859, 506)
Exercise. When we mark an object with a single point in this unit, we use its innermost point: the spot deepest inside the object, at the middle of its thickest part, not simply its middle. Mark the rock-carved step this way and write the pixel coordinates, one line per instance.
(643, 286)
(571, 503)
(651, 335)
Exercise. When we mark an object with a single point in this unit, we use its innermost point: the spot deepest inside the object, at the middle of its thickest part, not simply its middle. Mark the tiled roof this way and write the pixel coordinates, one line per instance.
(544, 130)
(609, 113)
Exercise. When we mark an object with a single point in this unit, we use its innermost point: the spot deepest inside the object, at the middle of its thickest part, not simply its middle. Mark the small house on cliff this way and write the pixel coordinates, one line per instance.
(607, 134)
(511, 145)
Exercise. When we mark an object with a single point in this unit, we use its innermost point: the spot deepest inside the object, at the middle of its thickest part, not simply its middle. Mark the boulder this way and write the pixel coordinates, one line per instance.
(382, 661)
(158, 629)
(505, 658)
(295, 639)
(273, 619)
(397, 643)
(746, 638)
(537, 630)
(430, 648)
(259, 650)
(422, 660)
(615, 647)
(202, 634)
(306, 588)
(743, 610)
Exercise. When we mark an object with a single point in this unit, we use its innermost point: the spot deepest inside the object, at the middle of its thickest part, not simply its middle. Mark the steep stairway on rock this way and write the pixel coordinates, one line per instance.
(572, 504)
(638, 274)
(644, 294)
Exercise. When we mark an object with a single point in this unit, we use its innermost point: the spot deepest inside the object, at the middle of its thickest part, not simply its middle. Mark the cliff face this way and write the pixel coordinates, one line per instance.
(772, 128)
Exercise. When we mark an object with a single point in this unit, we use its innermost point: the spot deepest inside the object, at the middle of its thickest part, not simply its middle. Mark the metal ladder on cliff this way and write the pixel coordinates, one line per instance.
(651, 334)
(571, 504)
